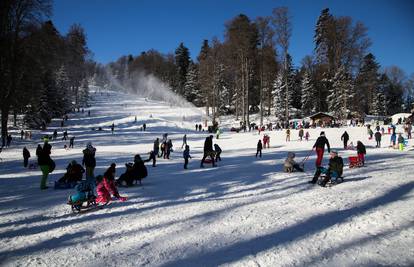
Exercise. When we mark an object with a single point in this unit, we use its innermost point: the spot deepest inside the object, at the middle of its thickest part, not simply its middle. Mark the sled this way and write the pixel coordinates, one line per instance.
(85, 205)
(354, 162)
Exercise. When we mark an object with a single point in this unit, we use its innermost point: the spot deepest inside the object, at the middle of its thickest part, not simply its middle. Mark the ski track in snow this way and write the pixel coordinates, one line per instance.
(245, 212)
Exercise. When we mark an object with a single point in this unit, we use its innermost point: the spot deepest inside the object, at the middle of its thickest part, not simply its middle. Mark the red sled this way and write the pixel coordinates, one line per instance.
(354, 162)
(207, 161)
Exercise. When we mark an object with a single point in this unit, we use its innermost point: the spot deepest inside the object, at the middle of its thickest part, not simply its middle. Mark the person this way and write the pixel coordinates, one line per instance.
(153, 157)
(89, 162)
(290, 163)
(135, 171)
(400, 142)
(184, 141)
(9, 140)
(163, 146)
(345, 139)
(26, 156)
(218, 133)
(409, 129)
(217, 151)
(350, 146)
(21, 134)
(334, 170)
(370, 133)
(112, 128)
(156, 147)
(196, 126)
(62, 123)
(301, 133)
(320, 148)
(55, 134)
(307, 135)
(186, 155)
(73, 175)
(208, 151)
(45, 162)
(361, 150)
(83, 191)
(71, 141)
(168, 149)
(89, 114)
(378, 138)
(287, 135)
(259, 148)
(144, 126)
(106, 186)
(393, 139)
(65, 135)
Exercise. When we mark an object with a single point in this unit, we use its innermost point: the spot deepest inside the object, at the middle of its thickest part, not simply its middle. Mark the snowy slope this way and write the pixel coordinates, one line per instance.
(246, 212)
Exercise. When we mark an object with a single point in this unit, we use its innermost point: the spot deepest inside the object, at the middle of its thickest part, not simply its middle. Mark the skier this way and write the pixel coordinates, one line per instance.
(208, 151)
(334, 170)
(89, 162)
(361, 152)
(218, 151)
(259, 148)
(378, 139)
(345, 139)
(301, 134)
(71, 141)
(320, 148)
(186, 155)
(184, 141)
(287, 135)
(26, 156)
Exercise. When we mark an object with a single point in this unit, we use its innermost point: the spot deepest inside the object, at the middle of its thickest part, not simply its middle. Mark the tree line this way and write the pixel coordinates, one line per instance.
(251, 71)
(43, 74)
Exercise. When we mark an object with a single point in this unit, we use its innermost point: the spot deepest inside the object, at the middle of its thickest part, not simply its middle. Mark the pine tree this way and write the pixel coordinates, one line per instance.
(62, 90)
(341, 94)
(278, 94)
(182, 60)
(192, 87)
(308, 99)
(367, 83)
(84, 93)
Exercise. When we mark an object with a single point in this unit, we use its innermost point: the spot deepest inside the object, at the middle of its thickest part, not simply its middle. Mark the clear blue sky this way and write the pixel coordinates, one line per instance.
(122, 27)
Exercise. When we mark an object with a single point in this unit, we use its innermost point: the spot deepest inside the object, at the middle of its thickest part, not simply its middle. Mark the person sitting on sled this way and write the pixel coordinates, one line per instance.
(334, 170)
(83, 191)
(136, 171)
(290, 163)
(106, 186)
(74, 173)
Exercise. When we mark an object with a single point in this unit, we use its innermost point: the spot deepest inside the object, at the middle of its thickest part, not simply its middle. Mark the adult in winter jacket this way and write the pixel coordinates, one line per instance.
(345, 139)
(134, 172)
(74, 173)
(26, 156)
(208, 151)
(378, 138)
(156, 148)
(168, 149)
(89, 162)
(45, 163)
(361, 152)
(259, 148)
(290, 163)
(320, 148)
(335, 169)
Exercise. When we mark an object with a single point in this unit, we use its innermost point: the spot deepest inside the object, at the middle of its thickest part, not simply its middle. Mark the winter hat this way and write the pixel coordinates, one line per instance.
(334, 153)
(322, 133)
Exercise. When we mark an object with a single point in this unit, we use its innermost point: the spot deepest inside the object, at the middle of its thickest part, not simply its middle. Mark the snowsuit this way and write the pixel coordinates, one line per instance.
(378, 139)
(291, 164)
(208, 151)
(26, 156)
(401, 142)
(218, 151)
(361, 152)
(186, 156)
(345, 139)
(320, 149)
(259, 148)
(335, 170)
(82, 190)
(104, 190)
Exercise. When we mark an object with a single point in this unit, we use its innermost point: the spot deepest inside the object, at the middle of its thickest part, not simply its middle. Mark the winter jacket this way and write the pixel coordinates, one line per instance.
(89, 157)
(259, 145)
(156, 146)
(186, 154)
(301, 133)
(289, 162)
(361, 148)
(44, 155)
(217, 149)
(104, 190)
(336, 164)
(400, 139)
(26, 153)
(208, 145)
(345, 137)
(321, 142)
(378, 136)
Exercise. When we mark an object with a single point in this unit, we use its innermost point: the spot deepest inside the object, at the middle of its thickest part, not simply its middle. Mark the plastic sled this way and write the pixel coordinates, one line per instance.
(354, 162)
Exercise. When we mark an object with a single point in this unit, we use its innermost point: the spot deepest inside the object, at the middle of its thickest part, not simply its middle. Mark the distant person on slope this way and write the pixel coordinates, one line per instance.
(186, 156)
(259, 148)
(345, 139)
(378, 139)
(320, 148)
(361, 152)
(184, 141)
(156, 147)
(45, 163)
(26, 156)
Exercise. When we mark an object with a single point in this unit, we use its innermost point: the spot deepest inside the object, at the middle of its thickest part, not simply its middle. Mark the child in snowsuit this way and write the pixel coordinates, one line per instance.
(259, 148)
(83, 191)
(334, 170)
(361, 152)
(218, 151)
(290, 163)
(186, 155)
(106, 186)
(401, 142)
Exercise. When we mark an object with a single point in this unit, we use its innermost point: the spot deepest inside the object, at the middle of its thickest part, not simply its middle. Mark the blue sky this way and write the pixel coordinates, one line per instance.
(123, 27)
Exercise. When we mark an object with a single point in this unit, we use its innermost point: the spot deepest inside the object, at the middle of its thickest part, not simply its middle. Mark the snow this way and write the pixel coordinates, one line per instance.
(245, 212)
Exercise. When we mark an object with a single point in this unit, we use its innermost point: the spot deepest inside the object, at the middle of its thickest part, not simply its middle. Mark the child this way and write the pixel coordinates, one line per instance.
(287, 135)
(83, 192)
(106, 186)
(186, 155)
(218, 151)
(307, 135)
(393, 140)
(361, 152)
(401, 142)
(350, 146)
(290, 163)
(259, 148)
(153, 157)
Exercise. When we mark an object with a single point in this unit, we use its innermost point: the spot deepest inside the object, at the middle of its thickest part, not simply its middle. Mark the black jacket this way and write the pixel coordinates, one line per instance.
(89, 158)
(336, 164)
(321, 142)
(26, 153)
(377, 136)
(259, 145)
(361, 148)
(208, 145)
(43, 155)
(345, 137)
